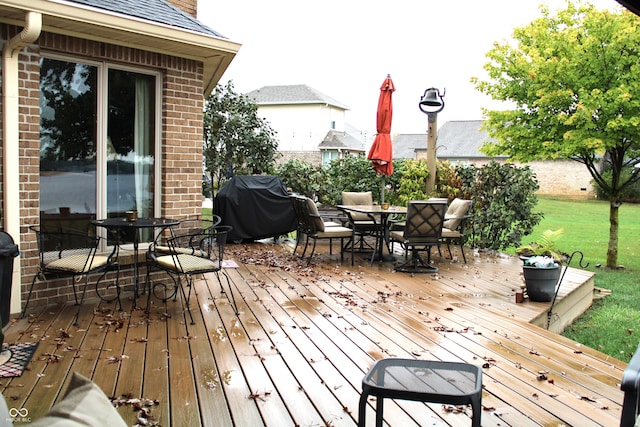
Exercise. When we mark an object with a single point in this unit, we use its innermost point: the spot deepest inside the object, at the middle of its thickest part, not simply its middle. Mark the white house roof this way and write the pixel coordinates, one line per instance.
(292, 94)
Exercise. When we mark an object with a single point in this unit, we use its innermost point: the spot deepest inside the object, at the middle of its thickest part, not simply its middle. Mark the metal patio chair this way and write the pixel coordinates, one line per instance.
(74, 254)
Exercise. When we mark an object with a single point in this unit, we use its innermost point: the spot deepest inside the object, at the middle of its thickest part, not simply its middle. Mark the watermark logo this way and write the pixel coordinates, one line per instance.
(20, 415)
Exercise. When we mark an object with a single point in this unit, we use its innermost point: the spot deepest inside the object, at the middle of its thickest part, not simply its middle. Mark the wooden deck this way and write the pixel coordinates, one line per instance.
(305, 336)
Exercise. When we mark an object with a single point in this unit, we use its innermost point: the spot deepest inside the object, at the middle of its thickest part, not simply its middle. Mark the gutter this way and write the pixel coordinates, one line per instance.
(11, 138)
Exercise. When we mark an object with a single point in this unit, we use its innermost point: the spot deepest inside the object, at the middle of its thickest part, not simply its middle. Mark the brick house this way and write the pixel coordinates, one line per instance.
(310, 125)
(102, 105)
(460, 141)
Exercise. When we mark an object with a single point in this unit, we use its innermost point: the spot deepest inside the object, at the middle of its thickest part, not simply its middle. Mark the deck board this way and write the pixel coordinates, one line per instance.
(305, 336)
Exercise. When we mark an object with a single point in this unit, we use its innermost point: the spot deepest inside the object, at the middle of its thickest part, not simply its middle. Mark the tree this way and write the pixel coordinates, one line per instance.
(574, 79)
(236, 140)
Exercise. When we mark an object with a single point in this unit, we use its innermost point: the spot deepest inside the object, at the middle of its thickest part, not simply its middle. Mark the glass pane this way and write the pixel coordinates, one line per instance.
(67, 144)
(130, 144)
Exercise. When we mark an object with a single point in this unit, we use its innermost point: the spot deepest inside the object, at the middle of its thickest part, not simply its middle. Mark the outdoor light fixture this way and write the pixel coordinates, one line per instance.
(431, 104)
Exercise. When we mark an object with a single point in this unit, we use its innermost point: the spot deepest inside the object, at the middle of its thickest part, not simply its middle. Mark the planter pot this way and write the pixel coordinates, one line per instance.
(541, 282)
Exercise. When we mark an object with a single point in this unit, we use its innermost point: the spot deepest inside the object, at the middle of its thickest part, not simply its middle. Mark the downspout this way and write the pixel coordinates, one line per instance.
(11, 138)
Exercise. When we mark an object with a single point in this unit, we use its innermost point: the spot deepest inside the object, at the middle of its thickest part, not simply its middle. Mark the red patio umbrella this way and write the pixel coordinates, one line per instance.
(381, 154)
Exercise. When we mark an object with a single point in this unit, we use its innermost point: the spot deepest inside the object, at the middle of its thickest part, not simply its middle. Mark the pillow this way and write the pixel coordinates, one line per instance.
(316, 220)
(84, 404)
(358, 198)
(5, 418)
(456, 210)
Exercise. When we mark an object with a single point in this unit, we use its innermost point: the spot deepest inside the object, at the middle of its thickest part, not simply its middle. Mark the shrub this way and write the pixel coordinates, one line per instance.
(301, 177)
(351, 173)
(504, 199)
(449, 184)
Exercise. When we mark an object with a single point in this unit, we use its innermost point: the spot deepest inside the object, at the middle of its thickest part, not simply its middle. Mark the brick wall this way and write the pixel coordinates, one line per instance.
(181, 138)
(311, 157)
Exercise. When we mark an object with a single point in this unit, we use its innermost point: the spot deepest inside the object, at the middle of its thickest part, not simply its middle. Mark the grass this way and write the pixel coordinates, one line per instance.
(611, 325)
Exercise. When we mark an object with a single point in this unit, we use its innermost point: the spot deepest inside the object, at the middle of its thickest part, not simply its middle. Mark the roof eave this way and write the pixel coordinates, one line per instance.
(72, 19)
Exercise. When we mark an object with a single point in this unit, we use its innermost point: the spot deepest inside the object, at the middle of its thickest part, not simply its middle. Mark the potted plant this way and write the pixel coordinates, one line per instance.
(541, 269)
(544, 246)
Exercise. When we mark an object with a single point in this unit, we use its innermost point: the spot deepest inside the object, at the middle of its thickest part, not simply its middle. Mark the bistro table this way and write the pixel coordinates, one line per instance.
(374, 211)
(120, 225)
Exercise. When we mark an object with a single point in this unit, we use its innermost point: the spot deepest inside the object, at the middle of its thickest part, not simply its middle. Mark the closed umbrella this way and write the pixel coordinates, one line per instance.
(381, 154)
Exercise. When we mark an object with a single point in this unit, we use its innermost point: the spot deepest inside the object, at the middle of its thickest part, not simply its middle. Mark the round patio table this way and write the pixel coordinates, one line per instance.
(120, 224)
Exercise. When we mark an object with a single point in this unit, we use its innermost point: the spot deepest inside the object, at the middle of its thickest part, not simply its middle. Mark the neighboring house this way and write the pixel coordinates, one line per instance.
(460, 141)
(102, 113)
(310, 125)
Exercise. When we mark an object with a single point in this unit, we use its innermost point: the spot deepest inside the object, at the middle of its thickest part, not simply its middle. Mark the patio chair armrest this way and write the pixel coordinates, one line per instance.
(631, 386)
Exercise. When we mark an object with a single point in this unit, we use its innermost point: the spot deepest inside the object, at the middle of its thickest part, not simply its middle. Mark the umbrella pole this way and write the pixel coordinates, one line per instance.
(382, 190)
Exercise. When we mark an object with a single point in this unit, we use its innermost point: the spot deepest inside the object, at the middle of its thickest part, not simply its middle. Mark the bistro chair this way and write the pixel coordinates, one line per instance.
(200, 251)
(189, 225)
(422, 231)
(455, 220)
(312, 226)
(73, 254)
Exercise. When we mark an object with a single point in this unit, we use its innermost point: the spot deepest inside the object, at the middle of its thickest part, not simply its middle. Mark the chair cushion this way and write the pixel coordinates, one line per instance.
(456, 210)
(331, 224)
(84, 404)
(364, 198)
(450, 234)
(187, 263)
(313, 210)
(337, 232)
(76, 263)
(397, 235)
(168, 250)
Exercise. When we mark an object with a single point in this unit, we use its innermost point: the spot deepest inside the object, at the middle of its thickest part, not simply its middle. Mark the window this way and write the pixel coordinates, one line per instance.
(329, 155)
(98, 141)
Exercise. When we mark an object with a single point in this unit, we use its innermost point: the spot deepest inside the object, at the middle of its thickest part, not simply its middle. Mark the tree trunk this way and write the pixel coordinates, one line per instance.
(612, 250)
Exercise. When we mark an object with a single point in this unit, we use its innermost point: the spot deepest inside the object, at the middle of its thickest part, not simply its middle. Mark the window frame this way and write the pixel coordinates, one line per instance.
(102, 74)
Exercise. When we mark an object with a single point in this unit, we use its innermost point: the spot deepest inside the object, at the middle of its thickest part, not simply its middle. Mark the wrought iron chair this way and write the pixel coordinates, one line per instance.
(422, 231)
(186, 255)
(455, 220)
(312, 226)
(75, 254)
(189, 225)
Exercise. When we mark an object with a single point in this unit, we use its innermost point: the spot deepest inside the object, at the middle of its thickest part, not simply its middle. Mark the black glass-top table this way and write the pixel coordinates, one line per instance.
(135, 226)
(435, 381)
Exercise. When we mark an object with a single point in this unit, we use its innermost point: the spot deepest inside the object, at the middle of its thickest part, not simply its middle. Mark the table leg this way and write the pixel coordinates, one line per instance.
(381, 241)
(136, 281)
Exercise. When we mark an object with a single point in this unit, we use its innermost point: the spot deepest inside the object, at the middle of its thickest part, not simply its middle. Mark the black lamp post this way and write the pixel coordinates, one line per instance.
(431, 104)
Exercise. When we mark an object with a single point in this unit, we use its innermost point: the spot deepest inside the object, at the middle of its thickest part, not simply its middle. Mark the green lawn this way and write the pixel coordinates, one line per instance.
(612, 325)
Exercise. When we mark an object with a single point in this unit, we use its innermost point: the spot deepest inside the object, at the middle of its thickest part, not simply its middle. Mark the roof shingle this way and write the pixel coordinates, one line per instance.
(292, 94)
(159, 11)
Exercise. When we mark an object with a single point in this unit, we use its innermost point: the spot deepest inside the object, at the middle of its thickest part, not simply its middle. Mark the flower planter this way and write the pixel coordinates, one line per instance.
(541, 282)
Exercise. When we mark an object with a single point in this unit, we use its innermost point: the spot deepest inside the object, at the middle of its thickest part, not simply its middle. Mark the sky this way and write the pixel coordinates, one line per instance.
(346, 48)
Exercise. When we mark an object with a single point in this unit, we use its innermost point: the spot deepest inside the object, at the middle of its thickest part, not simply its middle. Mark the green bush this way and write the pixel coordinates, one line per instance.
(504, 199)
(411, 182)
(301, 177)
(503, 195)
(351, 173)
(449, 184)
